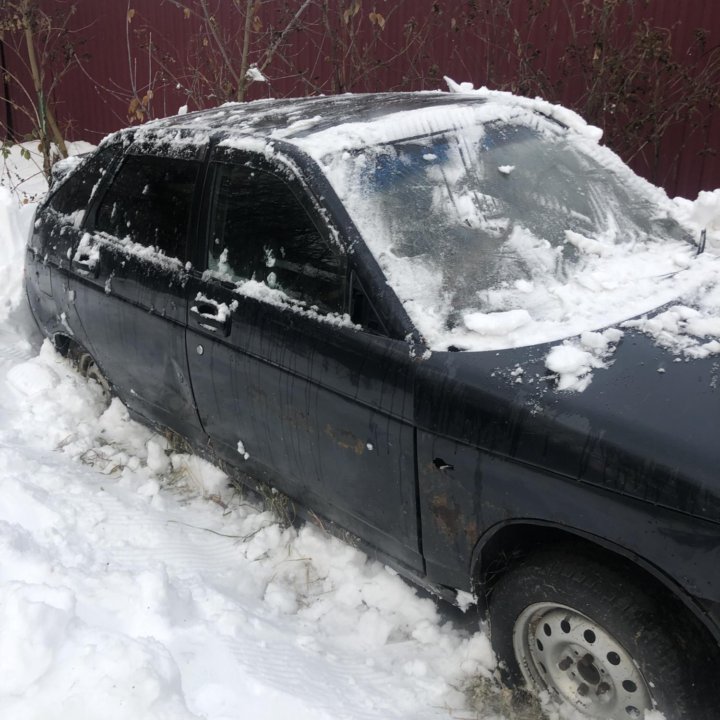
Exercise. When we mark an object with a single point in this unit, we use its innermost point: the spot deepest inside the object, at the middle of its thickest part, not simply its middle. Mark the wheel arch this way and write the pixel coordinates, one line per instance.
(506, 544)
(63, 343)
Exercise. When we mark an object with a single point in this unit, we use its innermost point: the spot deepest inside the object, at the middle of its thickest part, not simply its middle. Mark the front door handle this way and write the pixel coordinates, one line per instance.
(209, 316)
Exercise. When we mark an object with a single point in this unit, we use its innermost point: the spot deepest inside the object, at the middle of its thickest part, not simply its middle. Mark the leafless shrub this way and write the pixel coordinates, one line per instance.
(44, 48)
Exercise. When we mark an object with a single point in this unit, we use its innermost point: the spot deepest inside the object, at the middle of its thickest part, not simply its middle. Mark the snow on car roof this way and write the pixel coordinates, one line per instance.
(296, 119)
(299, 117)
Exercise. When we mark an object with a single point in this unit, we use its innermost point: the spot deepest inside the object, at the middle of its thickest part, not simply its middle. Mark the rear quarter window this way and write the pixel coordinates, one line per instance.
(74, 193)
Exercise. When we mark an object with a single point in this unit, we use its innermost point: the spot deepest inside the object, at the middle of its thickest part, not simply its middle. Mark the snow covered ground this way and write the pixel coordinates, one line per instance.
(135, 585)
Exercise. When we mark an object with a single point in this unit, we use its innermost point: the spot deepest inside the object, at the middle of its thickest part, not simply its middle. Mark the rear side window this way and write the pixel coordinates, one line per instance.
(74, 193)
(149, 202)
(260, 231)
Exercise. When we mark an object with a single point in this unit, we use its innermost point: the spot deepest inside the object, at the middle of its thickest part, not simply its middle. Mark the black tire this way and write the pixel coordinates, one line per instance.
(597, 642)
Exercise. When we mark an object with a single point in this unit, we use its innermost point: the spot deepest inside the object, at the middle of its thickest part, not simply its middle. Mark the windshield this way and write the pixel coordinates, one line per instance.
(487, 229)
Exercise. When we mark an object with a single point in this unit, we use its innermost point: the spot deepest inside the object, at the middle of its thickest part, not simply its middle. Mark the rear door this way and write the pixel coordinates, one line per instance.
(286, 386)
(56, 233)
(130, 279)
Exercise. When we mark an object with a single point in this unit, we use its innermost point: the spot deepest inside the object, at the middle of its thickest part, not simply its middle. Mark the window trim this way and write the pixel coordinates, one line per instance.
(359, 296)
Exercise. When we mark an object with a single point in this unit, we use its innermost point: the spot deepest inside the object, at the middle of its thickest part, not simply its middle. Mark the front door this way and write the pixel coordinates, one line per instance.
(285, 385)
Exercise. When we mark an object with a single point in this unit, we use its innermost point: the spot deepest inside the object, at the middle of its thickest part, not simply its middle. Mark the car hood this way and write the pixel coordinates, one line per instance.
(645, 426)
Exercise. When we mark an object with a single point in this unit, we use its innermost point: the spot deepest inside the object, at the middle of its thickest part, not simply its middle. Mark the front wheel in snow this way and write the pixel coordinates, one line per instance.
(597, 644)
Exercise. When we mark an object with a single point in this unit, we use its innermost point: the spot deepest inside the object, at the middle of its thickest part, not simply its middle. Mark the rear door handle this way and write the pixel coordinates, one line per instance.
(87, 266)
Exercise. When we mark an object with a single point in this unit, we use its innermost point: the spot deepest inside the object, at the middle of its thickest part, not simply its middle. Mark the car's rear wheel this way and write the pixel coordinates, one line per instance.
(88, 368)
(597, 643)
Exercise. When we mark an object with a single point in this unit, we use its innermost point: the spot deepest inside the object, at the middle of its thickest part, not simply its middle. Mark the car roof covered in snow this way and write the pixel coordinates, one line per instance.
(301, 117)
(318, 125)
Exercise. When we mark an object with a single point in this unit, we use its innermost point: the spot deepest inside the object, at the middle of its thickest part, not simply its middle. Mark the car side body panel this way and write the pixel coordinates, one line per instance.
(563, 459)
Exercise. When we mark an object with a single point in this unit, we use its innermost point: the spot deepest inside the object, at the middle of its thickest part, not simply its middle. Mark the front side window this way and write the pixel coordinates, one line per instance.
(259, 231)
(149, 203)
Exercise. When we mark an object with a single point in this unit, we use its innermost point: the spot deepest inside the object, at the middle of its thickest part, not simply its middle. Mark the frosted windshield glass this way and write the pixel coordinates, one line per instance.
(501, 218)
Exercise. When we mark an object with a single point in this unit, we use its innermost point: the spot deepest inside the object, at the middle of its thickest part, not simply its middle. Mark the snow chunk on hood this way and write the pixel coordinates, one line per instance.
(574, 360)
(498, 323)
(683, 330)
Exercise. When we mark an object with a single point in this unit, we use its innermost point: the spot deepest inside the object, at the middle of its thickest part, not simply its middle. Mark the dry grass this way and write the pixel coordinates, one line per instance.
(492, 699)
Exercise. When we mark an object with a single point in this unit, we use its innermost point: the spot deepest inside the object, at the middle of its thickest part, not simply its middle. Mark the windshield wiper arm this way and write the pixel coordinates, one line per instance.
(703, 239)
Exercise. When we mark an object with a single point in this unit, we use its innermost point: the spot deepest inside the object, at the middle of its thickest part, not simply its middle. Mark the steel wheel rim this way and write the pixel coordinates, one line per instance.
(89, 369)
(579, 663)
(94, 374)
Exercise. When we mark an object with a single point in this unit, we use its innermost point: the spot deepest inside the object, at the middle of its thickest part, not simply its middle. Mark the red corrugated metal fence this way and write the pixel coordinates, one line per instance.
(400, 44)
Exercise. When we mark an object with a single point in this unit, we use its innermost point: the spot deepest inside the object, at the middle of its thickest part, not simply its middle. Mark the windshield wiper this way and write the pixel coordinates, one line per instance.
(703, 239)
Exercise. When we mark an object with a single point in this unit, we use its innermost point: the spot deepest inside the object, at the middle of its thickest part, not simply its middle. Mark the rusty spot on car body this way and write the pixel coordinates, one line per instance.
(445, 516)
(345, 439)
(452, 522)
(299, 419)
